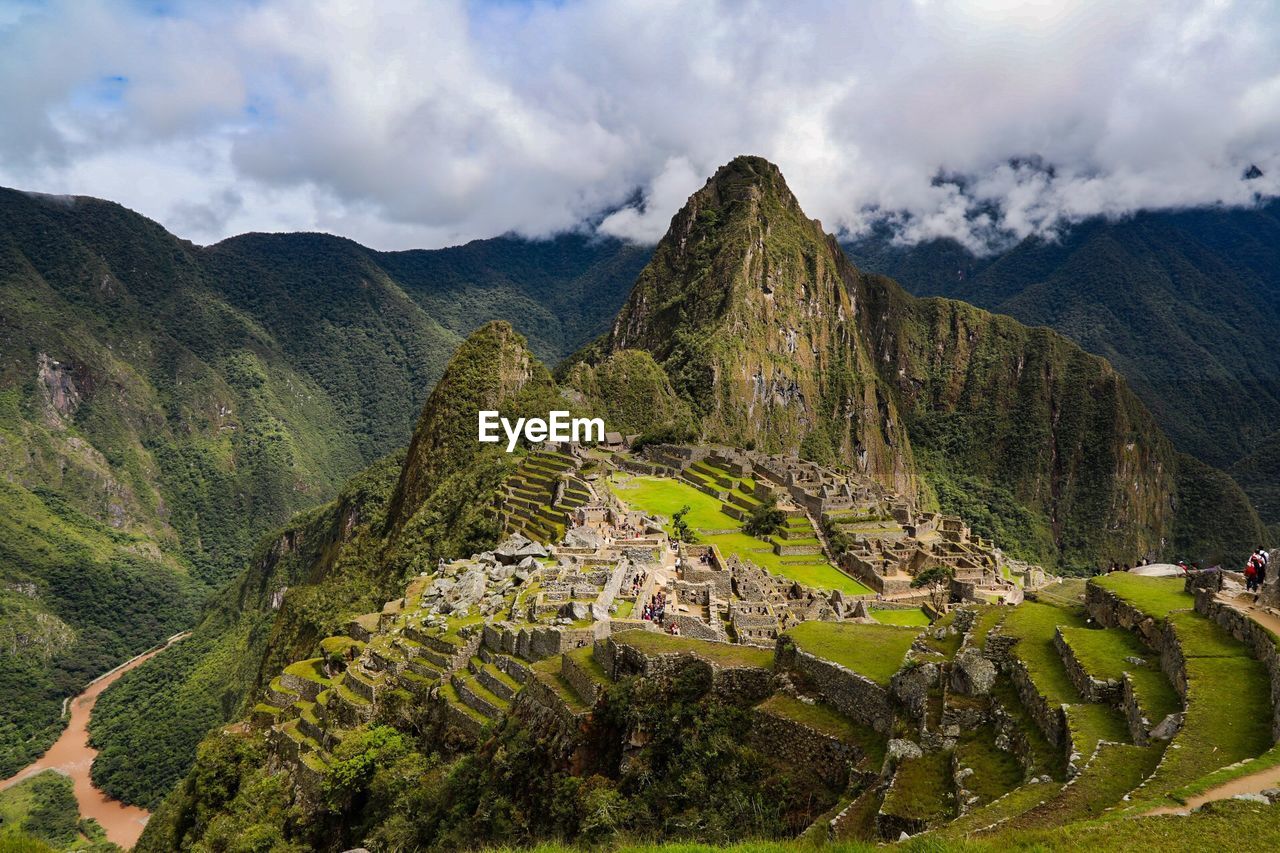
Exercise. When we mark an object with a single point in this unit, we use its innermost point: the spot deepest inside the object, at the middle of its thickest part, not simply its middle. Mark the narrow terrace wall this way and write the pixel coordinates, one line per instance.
(853, 695)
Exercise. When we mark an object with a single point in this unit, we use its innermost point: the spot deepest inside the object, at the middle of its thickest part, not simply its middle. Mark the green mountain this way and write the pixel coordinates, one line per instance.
(163, 405)
(775, 339)
(1180, 303)
(745, 304)
(1041, 445)
(394, 520)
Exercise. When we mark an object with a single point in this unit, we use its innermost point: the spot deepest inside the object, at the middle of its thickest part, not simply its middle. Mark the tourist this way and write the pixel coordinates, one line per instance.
(1264, 560)
(1251, 572)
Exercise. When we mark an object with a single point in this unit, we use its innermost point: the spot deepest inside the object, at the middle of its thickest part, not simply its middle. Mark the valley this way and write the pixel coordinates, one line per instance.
(827, 577)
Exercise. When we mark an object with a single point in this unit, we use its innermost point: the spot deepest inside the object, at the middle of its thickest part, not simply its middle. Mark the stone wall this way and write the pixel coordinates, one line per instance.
(582, 682)
(740, 684)
(1106, 692)
(1110, 611)
(1135, 715)
(1049, 718)
(830, 758)
(853, 695)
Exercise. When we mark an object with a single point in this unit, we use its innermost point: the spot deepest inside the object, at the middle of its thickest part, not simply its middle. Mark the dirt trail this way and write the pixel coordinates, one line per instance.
(1254, 783)
(72, 756)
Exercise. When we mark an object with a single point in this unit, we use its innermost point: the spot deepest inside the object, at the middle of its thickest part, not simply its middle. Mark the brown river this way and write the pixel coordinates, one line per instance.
(72, 756)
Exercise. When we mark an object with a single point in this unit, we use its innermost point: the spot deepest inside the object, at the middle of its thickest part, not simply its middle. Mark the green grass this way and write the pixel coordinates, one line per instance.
(665, 497)
(1156, 597)
(1033, 623)
(311, 670)
(995, 771)
(725, 654)
(43, 806)
(922, 789)
(1016, 802)
(1102, 653)
(586, 660)
(1266, 761)
(915, 618)
(548, 672)
(1045, 757)
(1228, 716)
(1114, 771)
(1222, 826)
(875, 651)
(1090, 724)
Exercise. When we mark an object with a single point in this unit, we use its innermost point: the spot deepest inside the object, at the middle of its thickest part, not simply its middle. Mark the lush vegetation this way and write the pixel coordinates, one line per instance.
(1175, 300)
(41, 811)
(394, 520)
(163, 406)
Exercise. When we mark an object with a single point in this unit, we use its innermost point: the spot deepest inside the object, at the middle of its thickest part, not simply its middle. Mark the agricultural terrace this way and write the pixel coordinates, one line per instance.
(661, 496)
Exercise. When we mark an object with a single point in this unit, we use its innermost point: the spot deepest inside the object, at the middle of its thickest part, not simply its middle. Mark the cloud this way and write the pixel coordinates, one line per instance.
(425, 124)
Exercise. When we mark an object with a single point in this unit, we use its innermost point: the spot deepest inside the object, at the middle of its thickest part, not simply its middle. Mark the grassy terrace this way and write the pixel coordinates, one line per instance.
(995, 772)
(724, 654)
(1102, 653)
(876, 651)
(311, 670)
(1034, 623)
(1228, 717)
(914, 618)
(822, 717)
(585, 658)
(1156, 597)
(1115, 770)
(664, 497)
(548, 672)
(1222, 827)
(922, 789)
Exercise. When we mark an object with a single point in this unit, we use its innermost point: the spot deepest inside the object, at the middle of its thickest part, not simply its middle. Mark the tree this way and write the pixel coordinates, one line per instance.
(680, 529)
(766, 519)
(938, 580)
(837, 538)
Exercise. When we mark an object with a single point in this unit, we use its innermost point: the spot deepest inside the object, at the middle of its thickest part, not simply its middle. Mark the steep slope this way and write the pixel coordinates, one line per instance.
(558, 292)
(773, 337)
(1184, 304)
(395, 519)
(745, 307)
(632, 393)
(163, 405)
(1029, 413)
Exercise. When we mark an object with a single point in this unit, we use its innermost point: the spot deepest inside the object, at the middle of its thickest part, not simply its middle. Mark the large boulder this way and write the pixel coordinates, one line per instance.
(972, 674)
(900, 749)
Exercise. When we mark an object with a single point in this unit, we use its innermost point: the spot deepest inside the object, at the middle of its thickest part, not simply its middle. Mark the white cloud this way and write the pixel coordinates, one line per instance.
(422, 124)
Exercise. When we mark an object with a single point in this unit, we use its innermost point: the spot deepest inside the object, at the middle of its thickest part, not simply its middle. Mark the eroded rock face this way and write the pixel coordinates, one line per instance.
(972, 674)
(57, 387)
(911, 686)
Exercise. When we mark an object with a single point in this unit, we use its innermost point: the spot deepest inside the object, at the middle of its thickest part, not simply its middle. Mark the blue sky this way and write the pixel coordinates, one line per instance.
(403, 123)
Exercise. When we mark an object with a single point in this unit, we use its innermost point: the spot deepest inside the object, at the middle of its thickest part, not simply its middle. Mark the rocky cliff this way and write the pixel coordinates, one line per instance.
(745, 305)
(776, 340)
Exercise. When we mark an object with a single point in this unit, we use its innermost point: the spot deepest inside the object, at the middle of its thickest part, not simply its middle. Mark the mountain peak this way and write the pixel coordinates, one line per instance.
(750, 309)
(492, 369)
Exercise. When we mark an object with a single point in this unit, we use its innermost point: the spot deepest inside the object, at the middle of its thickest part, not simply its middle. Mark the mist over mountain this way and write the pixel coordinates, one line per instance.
(1183, 304)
